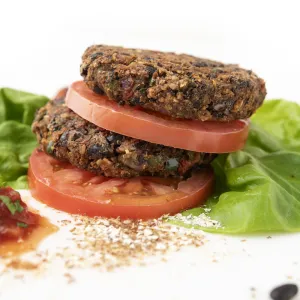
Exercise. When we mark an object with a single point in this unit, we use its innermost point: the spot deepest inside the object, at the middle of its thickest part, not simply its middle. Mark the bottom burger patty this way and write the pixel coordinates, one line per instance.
(66, 136)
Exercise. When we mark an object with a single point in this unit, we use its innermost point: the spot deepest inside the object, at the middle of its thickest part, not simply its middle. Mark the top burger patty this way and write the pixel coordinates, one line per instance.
(180, 86)
(68, 137)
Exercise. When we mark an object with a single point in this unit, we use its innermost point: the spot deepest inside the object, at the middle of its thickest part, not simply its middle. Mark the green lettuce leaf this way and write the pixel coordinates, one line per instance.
(17, 111)
(258, 188)
(281, 119)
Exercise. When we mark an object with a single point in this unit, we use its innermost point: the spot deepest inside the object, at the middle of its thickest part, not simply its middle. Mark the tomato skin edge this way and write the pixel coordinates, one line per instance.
(180, 134)
(37, 188)
(64, 202)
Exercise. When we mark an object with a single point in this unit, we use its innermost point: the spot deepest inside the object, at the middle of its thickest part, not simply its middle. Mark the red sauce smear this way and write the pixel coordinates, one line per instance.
(22, 230)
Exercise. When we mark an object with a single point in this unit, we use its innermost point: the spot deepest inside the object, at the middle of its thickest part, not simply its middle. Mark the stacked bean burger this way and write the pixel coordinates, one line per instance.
(136, 137)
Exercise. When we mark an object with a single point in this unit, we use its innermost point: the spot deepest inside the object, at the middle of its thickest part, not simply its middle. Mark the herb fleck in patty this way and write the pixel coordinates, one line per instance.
(180, 86)
(68, 137)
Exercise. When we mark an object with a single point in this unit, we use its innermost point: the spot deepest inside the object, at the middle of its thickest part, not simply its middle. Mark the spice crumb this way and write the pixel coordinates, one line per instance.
(19, 276)
(69, 277)
(18, 264)
(107, 244)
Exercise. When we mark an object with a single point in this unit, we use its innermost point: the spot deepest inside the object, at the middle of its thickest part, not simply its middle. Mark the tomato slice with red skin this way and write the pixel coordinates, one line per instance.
(67, 188)
(209, 136)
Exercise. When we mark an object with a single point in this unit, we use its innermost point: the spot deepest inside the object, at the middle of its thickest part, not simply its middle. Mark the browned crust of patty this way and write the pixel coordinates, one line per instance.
(66, 136)
(177, 85)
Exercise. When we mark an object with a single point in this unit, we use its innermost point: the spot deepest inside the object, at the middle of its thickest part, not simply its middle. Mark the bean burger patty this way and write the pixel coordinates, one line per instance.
(66, 136)
(176, 85)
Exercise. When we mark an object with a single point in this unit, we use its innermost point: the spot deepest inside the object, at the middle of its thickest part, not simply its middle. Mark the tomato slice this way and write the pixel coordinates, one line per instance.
(211, 137)
(67, 188)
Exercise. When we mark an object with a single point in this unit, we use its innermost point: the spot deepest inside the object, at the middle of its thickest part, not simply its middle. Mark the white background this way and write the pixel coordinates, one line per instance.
(42, 41)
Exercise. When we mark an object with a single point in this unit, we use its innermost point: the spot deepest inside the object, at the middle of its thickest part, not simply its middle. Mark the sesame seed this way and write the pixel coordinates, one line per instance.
(202, 220)
(107, 244)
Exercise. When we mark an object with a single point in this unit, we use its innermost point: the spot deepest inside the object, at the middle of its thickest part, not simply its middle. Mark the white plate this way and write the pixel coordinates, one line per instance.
(225, 267)
(41, 52)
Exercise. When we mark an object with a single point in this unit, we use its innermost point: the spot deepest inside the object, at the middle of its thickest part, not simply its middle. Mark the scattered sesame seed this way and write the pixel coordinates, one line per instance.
(107, 244)
(202, 220)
